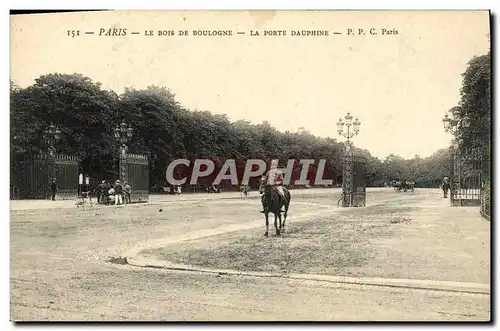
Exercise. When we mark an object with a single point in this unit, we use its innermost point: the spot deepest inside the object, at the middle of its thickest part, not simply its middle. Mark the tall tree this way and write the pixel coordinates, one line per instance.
(78, 106)
(475, 107)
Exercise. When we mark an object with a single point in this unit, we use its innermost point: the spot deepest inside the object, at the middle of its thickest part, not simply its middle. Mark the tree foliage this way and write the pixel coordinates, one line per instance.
(474, 134)
(163, 129)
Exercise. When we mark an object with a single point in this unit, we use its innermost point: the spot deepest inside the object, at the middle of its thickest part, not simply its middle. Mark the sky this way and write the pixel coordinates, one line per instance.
(399, 86)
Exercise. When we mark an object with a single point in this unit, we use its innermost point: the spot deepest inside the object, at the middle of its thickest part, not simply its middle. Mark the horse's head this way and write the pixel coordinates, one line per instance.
(261, 187)
(262, 184)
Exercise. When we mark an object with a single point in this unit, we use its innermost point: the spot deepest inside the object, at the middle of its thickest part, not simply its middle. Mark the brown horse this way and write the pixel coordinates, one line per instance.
(273, 202)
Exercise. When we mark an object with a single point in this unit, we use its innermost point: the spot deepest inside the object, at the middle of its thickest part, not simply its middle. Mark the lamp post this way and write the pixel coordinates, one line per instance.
(51, 136)
(453, 126)
(352, 128)
(123, 133)
(348, 128)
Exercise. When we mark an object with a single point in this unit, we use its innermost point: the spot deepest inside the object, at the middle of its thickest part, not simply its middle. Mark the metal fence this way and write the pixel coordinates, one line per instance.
(486, 190)
(486, 202)
(32, 177)
(467, 179)
(137, 175)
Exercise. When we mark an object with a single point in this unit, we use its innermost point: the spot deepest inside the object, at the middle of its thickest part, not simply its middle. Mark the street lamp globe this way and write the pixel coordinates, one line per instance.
(348, 119)
(356, 125)
(447, 122)
(464, 122)
(340, 126)
(123, 127)
(57, 134)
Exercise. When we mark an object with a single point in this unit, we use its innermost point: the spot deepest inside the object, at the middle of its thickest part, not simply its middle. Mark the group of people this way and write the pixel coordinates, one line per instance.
(117, 193)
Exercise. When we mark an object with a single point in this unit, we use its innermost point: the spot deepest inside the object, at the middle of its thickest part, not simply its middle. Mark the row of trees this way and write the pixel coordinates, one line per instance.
(471, 118)
(86, 114)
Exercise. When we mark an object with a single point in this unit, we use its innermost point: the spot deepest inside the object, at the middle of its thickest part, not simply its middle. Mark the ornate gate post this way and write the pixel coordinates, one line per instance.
(123, 133)
(351, 129)
(123, 163)
(455, 187)
(347, 178)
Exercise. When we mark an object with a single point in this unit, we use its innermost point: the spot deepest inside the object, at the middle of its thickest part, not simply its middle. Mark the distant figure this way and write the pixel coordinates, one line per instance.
(101, 192)
(107, 187)
(445, 185)
(244, 189)
(111, 196)
(127, 190)
(53, 189)
(118, 193)
(215, 188)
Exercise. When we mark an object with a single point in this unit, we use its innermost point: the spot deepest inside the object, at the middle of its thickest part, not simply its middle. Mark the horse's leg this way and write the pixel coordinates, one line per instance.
(278, 233)
(281, 224)
(285, 214)
(287, 204)
(267, 224)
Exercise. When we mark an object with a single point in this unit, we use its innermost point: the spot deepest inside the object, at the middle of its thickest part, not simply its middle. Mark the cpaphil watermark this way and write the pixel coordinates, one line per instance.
(232, 171)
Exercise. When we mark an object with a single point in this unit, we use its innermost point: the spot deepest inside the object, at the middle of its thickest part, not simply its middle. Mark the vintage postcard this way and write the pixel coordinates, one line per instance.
(250, 166)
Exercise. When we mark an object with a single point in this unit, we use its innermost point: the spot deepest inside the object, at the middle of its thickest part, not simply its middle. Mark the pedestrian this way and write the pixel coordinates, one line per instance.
(127, 189)
(53, 189)
(101, 192)
(110, 196)
(445, 186)
(108, 188)
(118, 193)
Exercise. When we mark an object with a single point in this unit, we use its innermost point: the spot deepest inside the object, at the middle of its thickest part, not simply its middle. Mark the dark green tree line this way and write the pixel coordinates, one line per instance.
(86, 114)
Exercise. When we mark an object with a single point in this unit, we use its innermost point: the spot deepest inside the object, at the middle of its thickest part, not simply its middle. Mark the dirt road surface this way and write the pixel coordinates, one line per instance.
(60, 269)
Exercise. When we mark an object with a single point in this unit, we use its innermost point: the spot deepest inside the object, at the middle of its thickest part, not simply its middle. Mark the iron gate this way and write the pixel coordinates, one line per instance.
(354, 181)
(134, 169)
(32, 177)
(466, 181)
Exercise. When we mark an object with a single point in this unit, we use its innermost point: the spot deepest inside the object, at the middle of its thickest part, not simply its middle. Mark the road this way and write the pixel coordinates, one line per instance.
(59, 268)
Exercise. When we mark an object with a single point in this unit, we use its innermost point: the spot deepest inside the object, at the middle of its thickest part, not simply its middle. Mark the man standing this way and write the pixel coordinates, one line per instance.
(53, 189)
(445, 185)
(101, 192)
(127, 189)
(118, 193)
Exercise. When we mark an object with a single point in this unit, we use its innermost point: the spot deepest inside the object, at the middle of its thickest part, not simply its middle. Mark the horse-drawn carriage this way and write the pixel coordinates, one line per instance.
(404, 186)
(212, 188)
